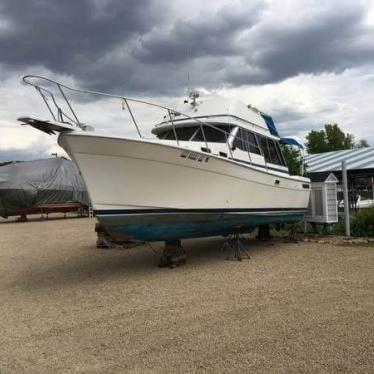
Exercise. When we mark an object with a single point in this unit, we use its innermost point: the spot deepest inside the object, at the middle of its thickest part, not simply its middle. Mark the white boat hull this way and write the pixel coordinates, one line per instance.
(146, 190)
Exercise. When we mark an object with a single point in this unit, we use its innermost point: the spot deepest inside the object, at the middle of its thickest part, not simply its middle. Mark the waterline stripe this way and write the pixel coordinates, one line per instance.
(181, 211)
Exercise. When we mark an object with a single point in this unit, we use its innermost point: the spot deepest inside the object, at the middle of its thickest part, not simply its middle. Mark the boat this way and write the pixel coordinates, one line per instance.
(359, 203)
(51, 185)
(214, 166)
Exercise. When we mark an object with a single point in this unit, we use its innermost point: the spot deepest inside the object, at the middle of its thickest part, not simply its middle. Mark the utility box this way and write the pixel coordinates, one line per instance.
(323, 202)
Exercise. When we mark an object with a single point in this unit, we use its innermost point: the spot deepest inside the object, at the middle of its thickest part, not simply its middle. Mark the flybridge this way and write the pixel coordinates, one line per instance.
(208, 119)
(56, 97)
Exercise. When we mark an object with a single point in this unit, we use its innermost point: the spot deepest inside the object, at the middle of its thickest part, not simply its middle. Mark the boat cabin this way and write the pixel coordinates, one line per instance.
(224, 128)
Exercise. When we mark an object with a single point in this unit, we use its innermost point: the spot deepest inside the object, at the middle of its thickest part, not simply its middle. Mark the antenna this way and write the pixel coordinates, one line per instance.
(188, 73)
(188, 83)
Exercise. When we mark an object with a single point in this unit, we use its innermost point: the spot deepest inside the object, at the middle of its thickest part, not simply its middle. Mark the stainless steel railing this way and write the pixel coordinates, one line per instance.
(60, 115)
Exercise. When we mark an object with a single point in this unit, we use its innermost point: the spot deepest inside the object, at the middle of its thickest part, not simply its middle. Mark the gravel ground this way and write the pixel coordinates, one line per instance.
(68, 307)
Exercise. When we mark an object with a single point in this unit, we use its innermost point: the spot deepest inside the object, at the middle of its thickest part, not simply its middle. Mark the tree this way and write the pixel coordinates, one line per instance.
(336, 139)
(292, 158)
(331, 138)
(8, 163)
(316, 142)
(362, 144)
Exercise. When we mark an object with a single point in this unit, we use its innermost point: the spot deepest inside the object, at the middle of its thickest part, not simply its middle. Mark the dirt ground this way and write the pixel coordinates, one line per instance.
(68, 307)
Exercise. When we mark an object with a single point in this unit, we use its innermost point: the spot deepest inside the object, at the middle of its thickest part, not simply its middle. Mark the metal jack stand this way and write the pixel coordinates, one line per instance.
(173, 254)
(233, 245)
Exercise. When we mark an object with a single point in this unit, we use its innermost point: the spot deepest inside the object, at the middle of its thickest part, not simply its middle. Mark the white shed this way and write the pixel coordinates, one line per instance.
(323, 203)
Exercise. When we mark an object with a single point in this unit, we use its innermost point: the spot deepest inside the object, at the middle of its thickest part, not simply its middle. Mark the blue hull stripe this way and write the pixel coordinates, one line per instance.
(219, 210)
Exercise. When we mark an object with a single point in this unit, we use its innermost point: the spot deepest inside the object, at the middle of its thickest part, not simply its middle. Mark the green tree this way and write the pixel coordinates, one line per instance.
(362, 143)
(6, 163)
(331, 138)
(316, 142)
(292, 158)
(336, 139)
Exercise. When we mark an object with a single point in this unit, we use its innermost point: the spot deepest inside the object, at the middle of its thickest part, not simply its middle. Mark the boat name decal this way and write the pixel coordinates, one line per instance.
(194, 156)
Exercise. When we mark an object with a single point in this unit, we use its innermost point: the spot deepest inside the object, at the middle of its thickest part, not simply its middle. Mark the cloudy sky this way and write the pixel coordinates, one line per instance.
(304, 62)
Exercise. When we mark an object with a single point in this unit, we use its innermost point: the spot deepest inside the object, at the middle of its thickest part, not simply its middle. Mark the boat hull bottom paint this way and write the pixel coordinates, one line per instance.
(170, 226)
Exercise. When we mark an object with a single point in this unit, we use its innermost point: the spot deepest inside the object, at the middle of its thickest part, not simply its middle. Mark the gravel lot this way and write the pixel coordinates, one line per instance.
(68, 307)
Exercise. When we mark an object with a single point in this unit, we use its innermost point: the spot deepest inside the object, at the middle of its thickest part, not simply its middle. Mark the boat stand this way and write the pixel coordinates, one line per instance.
(263, 232)
(233, 244)
(173, 254)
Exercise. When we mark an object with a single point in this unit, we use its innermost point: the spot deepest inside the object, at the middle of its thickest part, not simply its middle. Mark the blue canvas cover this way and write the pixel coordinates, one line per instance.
(291, 141)
(270, 124)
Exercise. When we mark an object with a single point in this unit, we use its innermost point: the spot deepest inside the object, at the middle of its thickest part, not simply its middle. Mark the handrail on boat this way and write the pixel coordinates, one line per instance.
(72, 119)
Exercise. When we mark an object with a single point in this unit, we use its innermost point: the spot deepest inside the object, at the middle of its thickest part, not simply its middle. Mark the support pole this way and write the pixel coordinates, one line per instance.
(132, 117)
(346, 202)
(173, 254)
(264, 232)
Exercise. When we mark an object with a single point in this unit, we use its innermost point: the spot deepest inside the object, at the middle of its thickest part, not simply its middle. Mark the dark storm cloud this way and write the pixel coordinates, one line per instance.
(209, 35)
(64, 35)
(138, 46)
(331, 42)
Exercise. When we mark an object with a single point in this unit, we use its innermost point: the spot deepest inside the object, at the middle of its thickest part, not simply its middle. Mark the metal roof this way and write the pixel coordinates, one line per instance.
(356, 159)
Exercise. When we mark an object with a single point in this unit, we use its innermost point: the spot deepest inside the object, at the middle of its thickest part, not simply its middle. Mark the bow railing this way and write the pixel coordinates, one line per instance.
(68, 115)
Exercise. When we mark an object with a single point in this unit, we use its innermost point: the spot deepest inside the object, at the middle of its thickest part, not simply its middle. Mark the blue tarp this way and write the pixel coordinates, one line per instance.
(270, 123)
(291, 141)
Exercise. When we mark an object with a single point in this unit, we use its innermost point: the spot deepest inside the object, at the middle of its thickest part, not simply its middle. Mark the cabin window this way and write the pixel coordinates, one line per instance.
(246, 141)
(169, 135)
(264, 147)
(271, 150)
(198, 136)
(274, 156)
(219, 134)
(238, 141)
(185, 133)
(280, 154)
(252, 143)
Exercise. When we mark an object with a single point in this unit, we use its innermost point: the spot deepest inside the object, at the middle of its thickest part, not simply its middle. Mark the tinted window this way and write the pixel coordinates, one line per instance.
(185, 133)
(214, 135)
(252, 143)
(271, 150)
(274, 157)
(169, 135)
(246, 141)
(264, 147)
(280, 154)
(198, 136)
(217, 134)
(238, 141)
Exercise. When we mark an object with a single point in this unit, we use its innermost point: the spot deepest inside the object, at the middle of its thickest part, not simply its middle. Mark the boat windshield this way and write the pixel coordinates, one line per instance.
(271, 150)
(216, 134)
